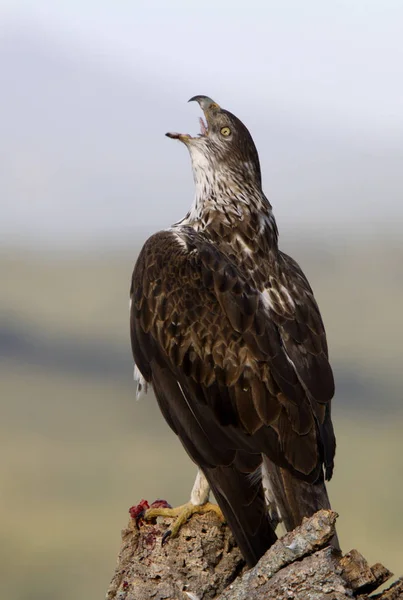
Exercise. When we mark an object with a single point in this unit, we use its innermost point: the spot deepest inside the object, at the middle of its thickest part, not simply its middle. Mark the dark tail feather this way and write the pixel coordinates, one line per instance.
(243, 504)
(294, 499)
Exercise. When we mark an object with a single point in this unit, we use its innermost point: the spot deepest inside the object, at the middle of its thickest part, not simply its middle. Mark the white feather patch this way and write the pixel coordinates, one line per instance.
(265, 296)
(289, 297)
(142, 385)
(201, 490)
(178, 237)
(244, 245)
(270, 497)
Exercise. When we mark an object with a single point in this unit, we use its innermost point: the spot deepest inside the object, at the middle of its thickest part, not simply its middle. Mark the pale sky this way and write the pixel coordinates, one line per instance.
(342, 57)
(318, 83)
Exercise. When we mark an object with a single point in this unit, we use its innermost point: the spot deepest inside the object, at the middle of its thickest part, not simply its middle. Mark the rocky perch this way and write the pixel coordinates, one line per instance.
(203, 563)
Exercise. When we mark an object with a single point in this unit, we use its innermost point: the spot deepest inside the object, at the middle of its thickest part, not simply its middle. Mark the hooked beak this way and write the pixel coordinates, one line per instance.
(209, 107)
(206, 104)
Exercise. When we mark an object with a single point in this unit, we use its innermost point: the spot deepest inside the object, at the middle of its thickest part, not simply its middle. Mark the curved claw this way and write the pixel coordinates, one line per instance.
(165, 537)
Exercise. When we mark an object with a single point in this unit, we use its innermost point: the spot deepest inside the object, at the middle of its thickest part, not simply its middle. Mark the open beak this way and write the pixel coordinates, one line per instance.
(208, 106)
(183, 137)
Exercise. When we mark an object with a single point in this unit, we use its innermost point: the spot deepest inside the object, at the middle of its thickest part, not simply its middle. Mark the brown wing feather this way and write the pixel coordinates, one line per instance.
(196, 314)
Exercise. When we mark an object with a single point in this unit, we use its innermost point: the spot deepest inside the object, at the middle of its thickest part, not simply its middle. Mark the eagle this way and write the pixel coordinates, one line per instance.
(226, 330)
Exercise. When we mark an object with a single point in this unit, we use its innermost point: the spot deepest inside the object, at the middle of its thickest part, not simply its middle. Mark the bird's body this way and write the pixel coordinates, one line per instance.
(226, 329)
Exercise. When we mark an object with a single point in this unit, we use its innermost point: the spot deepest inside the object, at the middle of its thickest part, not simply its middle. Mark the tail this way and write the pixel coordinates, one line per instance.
(238, 492)
(293, 499)
(242, 501)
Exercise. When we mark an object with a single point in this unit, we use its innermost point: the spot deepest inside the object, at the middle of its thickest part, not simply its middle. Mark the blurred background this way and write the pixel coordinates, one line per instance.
(87, 92)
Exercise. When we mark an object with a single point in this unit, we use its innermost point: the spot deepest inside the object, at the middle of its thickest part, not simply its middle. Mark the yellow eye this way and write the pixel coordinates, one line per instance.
(225, 131)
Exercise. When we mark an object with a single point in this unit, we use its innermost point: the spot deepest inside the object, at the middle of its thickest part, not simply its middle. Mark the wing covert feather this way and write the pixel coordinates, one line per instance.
(255, 372)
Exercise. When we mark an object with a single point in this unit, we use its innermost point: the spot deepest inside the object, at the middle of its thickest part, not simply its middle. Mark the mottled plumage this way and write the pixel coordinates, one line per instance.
(226, 329)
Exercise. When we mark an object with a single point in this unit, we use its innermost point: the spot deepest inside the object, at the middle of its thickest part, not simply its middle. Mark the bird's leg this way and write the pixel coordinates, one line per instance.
(198, 504)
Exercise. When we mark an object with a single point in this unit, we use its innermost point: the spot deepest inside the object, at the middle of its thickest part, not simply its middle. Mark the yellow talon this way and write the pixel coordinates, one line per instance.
(182, 514)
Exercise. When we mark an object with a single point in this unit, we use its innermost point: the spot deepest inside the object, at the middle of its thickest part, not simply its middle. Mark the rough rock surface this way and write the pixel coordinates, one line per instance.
(203, 563)
(202, 560)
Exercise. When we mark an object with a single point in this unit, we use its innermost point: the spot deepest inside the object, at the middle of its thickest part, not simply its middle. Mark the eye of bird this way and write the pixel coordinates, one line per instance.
(225, 131)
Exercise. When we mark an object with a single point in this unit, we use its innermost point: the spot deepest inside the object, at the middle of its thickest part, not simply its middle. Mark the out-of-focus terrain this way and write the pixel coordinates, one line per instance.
(78, 449)
(87, 92)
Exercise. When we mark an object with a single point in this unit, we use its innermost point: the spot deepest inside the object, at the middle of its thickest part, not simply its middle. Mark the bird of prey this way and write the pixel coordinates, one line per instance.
(226, 329)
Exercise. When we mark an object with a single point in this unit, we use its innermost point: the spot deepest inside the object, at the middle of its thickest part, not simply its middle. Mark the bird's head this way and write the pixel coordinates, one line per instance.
(224, 145)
